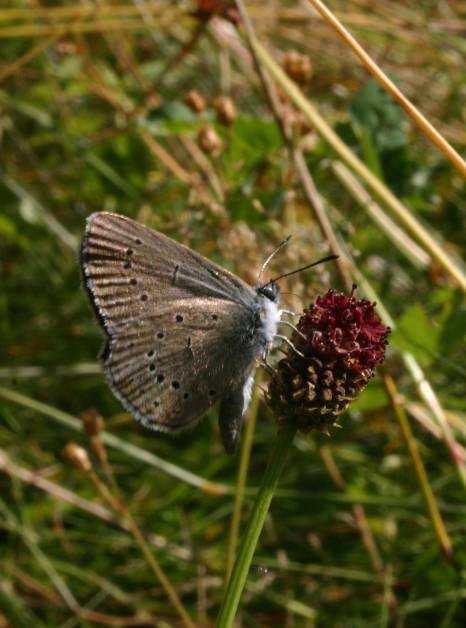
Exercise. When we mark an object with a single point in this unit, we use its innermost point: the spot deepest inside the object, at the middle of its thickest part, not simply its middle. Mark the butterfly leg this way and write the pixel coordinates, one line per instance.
(295, 329)
(289, 343)
(268, 367)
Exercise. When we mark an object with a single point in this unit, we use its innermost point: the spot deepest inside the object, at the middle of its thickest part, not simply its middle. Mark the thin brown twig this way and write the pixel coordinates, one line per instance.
(53, 598)
(115, 498)
(158, 151)
(33, 478)
(358, 511)
(30, 583)
(205, 165)
(31, 542)
(122, 51)
(316, 203)
(296, 156)
(32, 53)
(103, 26)
(390, 87)
(424, 388)
(196, 35)
(138, 453)
(411, 443)
(164, 156)
(409, 220)
(120, 507)
(402, 240)
(76, 11)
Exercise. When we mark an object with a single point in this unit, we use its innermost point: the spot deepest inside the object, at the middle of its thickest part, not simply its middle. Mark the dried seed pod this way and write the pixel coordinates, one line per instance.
(78, 457)
(209, 140)
(301, 124)
(195, 101)
(340, 343)
(93, 426)
(226, 110)
(297, 66)
(93, 423)
(66, 47)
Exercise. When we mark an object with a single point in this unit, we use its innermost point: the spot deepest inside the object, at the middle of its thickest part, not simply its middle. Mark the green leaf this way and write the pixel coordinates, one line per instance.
(253, 142)
(453, 329)
(7, 228)
(372, 398)
(375, 110)
(417, 334)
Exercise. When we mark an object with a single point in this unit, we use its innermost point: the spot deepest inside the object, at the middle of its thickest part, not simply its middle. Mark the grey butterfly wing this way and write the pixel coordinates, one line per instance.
(180, 329)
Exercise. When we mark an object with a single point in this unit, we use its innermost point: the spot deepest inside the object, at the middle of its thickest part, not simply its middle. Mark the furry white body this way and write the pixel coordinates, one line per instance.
(270, 317)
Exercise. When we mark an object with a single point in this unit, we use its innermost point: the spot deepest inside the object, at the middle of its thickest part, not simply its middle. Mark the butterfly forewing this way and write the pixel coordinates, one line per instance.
(177, 324)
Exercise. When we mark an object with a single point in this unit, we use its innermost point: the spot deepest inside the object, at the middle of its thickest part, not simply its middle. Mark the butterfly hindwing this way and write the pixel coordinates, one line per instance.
(177, 325)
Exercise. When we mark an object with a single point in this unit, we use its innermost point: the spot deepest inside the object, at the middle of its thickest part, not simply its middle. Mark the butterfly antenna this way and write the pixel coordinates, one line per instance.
(271, 256)
(299, 270)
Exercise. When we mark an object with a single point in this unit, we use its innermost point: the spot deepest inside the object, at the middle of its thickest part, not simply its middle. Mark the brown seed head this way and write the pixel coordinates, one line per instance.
(208, 140)
(297, 66)
(78, 457)
(195, 101)
(226, 110)
(93, 423)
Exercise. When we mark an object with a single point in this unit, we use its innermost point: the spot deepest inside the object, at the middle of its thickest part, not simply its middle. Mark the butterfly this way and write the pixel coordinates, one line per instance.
(181, 332)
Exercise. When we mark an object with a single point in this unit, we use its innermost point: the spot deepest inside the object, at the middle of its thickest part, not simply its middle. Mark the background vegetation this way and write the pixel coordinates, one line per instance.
(93, 116)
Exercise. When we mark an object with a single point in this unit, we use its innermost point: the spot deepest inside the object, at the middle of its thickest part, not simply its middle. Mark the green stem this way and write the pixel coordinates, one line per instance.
(256, 522)
(245, 455)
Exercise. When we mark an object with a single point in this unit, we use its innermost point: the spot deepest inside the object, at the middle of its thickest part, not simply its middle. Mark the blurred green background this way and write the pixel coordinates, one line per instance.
(95, 115)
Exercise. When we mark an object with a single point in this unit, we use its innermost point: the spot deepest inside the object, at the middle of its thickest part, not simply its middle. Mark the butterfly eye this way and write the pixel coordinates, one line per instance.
(138, 241)
(160, 335)
(215, 317)
(270, 291)
(152, 367)
(144, 296)
(160, 378)
(129, 252)
(150, 353)
(175, 384)
(179, 318)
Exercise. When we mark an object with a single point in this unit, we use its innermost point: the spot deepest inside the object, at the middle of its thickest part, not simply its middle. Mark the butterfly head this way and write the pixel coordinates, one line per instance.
(270, 291)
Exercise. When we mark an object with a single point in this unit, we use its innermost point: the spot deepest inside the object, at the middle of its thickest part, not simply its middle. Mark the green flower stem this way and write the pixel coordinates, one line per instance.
(256, 522)
(245, 455)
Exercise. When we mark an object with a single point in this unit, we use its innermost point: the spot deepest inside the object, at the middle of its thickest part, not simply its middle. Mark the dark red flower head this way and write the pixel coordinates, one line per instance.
(339, 343)
(206, 9)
